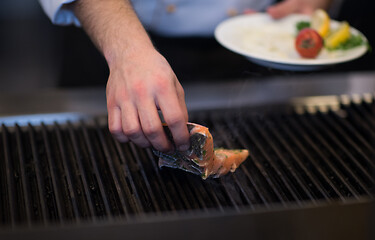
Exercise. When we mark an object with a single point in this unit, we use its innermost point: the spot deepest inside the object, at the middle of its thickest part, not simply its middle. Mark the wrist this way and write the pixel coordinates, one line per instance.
(122, 52)
(114, 28)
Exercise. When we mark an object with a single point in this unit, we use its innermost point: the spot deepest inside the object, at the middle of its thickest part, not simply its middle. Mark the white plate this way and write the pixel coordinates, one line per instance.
(270, 42)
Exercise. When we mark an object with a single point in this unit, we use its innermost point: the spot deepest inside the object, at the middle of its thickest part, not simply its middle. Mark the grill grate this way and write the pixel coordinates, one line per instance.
(69, 172)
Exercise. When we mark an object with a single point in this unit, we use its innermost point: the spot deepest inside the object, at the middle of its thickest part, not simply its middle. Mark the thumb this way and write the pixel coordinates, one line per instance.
(283, 9)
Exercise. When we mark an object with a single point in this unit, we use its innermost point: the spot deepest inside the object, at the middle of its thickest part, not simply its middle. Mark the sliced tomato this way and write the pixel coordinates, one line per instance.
(308, 43)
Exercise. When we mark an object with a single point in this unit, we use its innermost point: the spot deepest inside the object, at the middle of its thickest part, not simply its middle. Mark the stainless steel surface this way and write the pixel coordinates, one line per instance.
(352, 221)
(253, 92)
(203, 95)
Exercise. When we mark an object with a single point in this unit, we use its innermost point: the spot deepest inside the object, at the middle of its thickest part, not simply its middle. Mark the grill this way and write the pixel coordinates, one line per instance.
(74, 173)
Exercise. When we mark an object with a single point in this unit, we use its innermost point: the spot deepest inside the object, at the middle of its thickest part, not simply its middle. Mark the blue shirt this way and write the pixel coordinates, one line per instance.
(169, 17)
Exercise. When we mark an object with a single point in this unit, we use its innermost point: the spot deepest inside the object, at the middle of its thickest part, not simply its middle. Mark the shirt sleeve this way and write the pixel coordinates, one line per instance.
(59, 13)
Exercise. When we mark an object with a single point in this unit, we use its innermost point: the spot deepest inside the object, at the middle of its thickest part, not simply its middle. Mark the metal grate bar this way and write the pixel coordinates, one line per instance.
(332, 171)
(114, 177)
(334, 118)
(179, 190)
(53, 172)
(196, 186)
(193, 203)
(312, 183)
(354, 161)
(258, 191)
(229, 144)
(299, 191)
(307, 154)
(211, 193)
(171, 188)
(93, 161)
(152, 169)
(321, 140)
(160, 182)
(146, 163)
(250, 188)
(150, 195)
(227, 187)
(135, 199)
(40, 183)
(10, 190)
(105, 173)
(23, 179)
(241, 187)
(362, 125)
(75, 173)
(260, 164)
(263, 195)
(81, 173)
(297, 197)
(364, 113)
(243, 192)
(215, 189)
(72, 197)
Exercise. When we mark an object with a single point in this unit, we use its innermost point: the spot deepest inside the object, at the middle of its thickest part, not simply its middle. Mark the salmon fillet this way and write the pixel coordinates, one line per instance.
(202, 159)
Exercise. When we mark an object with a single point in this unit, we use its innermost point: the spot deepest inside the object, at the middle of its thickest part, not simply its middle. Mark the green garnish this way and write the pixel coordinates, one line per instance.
(301, 25)
(352, 42)
(204, 152)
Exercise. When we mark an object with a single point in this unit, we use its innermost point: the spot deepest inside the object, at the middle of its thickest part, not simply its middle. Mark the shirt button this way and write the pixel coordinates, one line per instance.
(231, 12)
(171, 8)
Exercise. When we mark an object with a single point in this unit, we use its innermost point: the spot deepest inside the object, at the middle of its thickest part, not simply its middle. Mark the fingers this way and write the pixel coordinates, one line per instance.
(131, 125)
(174, 111)
(139, 121)
(137, 89)
(283, 8)
(151, 125)
(115, 125)
(181, 99)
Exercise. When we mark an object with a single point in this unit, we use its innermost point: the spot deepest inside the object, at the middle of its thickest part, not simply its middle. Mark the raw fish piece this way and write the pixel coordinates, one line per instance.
(201, 158)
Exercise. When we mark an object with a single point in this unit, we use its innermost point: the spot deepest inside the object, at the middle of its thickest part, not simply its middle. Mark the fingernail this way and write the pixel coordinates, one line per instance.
(184, 147)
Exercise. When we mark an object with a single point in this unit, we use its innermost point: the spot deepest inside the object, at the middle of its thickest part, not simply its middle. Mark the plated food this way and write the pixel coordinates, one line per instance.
(202, 158)
(271, 43)
(313, 35)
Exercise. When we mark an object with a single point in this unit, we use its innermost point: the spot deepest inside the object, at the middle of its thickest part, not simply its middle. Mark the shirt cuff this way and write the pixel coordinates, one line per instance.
(59, 13)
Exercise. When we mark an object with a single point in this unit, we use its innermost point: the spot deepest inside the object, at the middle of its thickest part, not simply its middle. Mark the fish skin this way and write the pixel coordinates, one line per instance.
(201, 158)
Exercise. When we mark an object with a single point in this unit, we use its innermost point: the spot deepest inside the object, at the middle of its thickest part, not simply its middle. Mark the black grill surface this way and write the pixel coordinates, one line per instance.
(75, 172)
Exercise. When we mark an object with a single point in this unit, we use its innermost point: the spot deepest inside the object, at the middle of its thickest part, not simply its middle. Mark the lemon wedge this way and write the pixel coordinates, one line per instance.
(339, 36)
(320, 22)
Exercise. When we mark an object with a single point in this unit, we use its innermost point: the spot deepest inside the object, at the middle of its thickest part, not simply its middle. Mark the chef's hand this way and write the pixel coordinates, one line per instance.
(287, 7)
(141, 80)
(137, 87)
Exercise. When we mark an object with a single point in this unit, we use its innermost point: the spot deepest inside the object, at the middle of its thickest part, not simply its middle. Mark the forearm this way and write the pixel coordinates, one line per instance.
(140, 82)
(113, 26)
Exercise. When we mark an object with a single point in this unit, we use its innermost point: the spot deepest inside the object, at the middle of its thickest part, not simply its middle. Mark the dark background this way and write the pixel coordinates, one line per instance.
(35, 54)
